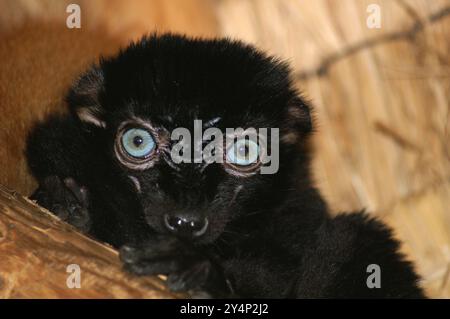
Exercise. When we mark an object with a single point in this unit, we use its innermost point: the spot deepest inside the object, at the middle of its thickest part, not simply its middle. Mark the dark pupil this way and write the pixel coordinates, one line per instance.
(138, 140)
(243, 150)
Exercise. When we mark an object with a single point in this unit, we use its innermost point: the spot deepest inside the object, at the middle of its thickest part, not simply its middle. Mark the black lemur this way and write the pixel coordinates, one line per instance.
(220, 228)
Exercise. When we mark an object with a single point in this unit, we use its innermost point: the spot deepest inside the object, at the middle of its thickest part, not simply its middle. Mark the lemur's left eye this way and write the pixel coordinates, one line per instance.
(138, 143)
(243, 152)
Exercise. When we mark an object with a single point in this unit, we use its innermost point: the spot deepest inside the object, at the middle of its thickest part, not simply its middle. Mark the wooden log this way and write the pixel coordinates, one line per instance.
(36, 249)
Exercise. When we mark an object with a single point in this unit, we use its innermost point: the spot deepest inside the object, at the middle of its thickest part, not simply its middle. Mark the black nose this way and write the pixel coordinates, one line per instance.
(186, 225)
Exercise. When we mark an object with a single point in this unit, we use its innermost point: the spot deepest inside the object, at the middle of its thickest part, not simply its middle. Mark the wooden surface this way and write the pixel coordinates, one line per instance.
(36, 248)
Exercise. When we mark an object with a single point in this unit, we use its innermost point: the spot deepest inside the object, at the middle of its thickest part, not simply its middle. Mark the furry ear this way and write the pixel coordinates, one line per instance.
(83, 97)
(298, 121)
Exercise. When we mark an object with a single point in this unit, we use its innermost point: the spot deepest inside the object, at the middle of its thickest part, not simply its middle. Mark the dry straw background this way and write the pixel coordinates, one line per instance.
(381, 96)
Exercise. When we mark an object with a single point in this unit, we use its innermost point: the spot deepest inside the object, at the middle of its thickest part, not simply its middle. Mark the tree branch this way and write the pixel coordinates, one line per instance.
(347, 51)
(36, 248)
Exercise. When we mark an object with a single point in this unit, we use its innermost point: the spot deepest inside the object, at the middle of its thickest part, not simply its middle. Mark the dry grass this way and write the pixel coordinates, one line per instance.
(381, 98)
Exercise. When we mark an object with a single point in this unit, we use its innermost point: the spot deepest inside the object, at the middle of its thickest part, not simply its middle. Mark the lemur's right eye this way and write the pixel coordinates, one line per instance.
(138, 142)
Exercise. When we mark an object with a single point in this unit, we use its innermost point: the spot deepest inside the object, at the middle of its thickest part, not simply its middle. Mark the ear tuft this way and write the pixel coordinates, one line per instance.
(83, 97)
(298, 121)
(90, 115)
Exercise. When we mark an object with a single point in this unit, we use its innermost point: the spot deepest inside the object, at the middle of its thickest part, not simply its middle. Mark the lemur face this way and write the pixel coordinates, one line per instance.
(158, 100)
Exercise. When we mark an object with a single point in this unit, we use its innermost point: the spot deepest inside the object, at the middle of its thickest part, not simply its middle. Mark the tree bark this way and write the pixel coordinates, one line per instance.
(36, 249)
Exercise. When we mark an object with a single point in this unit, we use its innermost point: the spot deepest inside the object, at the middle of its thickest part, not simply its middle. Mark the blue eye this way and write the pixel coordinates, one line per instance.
(138, 142)
(243, 153)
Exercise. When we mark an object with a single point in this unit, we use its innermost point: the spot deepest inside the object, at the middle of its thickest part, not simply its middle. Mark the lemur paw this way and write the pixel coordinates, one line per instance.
(186, 269)
(66, 199)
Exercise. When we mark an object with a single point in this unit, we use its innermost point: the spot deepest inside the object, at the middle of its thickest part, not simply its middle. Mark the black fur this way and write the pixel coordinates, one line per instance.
(268, 235)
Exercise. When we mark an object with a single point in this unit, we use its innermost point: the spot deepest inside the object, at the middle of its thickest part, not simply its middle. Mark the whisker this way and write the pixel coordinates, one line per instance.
(236, 193)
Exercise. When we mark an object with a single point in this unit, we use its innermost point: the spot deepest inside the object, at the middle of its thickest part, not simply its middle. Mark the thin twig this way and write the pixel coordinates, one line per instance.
(396, 137)
(410, 33)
